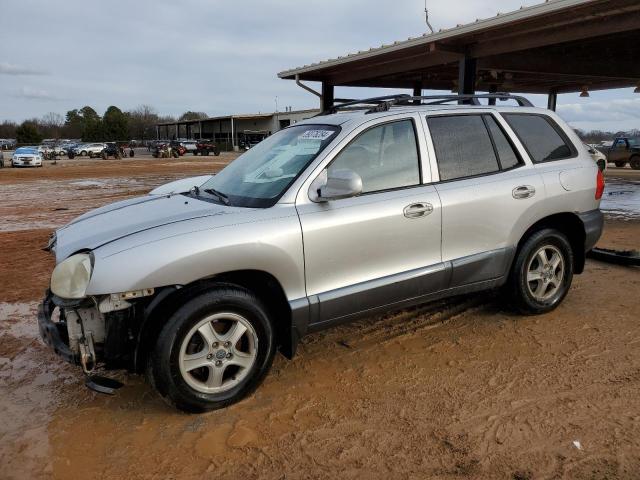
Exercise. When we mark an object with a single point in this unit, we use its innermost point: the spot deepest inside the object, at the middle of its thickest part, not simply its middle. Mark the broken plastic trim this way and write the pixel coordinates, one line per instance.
(630, 258)
(101, 384)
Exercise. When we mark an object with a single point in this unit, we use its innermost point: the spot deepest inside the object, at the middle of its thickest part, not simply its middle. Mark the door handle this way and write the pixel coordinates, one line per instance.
(523, 191)
(417, 210)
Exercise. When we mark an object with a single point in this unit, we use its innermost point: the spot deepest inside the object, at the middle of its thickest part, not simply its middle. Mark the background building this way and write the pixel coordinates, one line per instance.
(233, 131)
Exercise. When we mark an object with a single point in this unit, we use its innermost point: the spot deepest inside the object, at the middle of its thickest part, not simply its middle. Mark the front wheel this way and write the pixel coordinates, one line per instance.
(620, 164)
(635, 163)
(214, 351)
(542, 272)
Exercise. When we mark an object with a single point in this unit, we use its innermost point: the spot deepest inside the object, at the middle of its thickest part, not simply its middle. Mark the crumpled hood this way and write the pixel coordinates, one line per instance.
(117, 220)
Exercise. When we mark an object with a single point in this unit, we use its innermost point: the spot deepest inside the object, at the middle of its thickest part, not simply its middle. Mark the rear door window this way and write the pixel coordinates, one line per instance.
(506, 153)
(541, 136)
(463, 146)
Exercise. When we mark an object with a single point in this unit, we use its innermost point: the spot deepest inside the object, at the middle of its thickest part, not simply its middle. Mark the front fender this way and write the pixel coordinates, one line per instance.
(160, 257)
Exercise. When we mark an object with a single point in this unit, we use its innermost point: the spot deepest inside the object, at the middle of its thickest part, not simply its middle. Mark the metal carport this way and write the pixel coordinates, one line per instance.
(556, 47)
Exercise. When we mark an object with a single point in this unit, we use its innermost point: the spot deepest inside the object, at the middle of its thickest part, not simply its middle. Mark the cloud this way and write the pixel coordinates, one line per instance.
(12, 69)
(35, 94)
(601, 111)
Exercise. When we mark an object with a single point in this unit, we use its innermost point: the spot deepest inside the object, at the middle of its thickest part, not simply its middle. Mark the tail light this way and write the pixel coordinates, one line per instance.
(599, 185)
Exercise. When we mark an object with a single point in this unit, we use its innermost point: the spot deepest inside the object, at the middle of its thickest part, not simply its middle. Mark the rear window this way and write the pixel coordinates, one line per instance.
(541, 136)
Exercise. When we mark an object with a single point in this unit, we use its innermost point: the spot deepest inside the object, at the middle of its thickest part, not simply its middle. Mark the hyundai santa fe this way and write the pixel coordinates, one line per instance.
(377, 206)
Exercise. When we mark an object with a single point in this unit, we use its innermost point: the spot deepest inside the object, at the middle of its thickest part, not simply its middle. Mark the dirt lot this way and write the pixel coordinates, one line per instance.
(457, 389)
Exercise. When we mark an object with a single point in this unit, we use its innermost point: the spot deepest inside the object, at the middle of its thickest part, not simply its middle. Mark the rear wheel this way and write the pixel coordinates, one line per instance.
(214, 351)
(635, 163)
(542, 272)
(620, 164)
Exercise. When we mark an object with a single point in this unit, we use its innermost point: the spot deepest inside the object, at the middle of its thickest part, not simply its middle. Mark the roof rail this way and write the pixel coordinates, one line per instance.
(383, 104)
(471, 99)
(364, 103)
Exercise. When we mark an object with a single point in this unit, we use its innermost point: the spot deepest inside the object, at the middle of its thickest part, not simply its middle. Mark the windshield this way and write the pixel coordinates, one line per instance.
(259, 177)
(26, 150)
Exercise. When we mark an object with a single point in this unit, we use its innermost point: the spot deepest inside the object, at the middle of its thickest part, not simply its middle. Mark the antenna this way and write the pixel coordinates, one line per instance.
(426, 16)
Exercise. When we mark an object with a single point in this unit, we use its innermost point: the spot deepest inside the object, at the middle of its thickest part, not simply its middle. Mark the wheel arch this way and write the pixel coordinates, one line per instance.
(263, 284)
(568, 223)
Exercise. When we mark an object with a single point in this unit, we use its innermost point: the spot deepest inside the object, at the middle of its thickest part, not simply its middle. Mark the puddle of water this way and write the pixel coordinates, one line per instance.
(52, 203)
(621, 199)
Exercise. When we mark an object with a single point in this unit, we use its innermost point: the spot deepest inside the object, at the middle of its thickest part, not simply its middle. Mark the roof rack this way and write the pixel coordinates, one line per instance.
(383, 104)
(364, 103)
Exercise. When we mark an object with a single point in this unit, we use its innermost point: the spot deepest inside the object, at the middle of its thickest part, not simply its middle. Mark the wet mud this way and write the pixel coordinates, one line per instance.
(462, 388)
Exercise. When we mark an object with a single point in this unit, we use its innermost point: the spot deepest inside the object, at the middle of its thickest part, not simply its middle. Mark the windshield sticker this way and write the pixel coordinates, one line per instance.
(316, 135)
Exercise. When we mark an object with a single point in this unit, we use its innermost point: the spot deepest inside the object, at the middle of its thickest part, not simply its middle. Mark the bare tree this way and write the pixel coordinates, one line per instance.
(52, 123)
(142, 120)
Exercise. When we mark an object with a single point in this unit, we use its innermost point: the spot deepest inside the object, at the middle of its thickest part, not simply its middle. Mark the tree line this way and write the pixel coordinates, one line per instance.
(85, 123)
(598, 136)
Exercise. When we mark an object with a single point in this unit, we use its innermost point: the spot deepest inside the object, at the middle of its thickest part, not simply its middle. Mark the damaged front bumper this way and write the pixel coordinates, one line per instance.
(55, 334)
(90, 331)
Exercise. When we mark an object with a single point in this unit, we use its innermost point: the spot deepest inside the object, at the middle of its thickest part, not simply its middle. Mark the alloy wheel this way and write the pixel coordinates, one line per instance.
(218, 352)
(545, 273)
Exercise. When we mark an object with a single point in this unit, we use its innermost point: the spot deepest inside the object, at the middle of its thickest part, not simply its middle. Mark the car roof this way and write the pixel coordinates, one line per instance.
(362, 115)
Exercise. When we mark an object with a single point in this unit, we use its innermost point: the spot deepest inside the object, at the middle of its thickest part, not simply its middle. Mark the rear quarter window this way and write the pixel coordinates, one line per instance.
(543, 138)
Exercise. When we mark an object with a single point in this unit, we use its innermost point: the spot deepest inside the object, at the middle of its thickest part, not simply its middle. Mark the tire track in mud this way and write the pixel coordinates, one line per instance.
(389, 327)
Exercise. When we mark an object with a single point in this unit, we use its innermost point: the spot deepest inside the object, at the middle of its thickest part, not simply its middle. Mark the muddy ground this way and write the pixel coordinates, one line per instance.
(456, 389)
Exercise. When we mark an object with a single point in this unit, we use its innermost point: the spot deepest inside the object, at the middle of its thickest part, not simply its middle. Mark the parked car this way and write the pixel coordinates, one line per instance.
(344, 215)
(90, 149)
(27, 157)
(598, 157)
(7, 143)
(190, 146)
(624, 150)
(204, 147)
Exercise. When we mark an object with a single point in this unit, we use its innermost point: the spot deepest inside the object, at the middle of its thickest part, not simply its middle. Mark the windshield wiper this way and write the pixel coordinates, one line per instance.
(223, 198)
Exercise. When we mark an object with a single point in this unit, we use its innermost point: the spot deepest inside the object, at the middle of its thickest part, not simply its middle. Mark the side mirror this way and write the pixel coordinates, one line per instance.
(339, 184)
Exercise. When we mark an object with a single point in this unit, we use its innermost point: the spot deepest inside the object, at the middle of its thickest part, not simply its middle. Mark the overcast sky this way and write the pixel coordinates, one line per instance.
(220, 57)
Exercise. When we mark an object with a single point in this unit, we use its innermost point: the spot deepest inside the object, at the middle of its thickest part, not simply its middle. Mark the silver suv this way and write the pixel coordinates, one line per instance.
(376, 206)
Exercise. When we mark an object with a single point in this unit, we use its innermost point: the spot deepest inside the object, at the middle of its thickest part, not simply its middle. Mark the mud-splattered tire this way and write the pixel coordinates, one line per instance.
(199, 365)
(541, 273)
(635, 162)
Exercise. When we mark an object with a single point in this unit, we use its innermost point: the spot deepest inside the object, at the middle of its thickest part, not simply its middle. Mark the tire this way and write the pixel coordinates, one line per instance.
(216, 153)
(83, 153)
(206, 152)
(635, 163)
(523, 291)
(620, 164)
(167, 367)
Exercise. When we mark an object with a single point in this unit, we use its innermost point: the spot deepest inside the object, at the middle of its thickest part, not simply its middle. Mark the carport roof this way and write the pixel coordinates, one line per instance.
(560, 45)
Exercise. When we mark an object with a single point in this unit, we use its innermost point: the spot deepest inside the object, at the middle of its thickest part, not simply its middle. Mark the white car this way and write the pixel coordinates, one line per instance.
(190, 145)
(27, 157)
(598, 157)
(91, 149)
